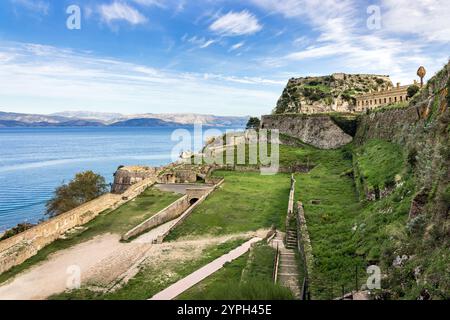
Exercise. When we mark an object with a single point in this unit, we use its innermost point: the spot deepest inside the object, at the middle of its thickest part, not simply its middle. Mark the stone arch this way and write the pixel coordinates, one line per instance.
(193, 201)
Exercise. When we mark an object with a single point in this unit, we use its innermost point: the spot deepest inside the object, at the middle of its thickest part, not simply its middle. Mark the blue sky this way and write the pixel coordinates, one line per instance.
(215, 57)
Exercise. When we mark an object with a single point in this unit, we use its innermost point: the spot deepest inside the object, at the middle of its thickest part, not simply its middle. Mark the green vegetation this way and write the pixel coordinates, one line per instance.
(246, 202)
(348, 124)
(154, 278)
(330, 223)
(118, 221)
(21, 227)
(253, 123)
(86, 186)
(378, 163)
(347, 235)
(246, 278)
(412, 90)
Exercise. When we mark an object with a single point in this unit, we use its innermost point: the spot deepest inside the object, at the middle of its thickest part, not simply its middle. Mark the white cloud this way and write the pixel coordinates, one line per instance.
(119, 11)
(44, 79)
(39, 6)
(237, 46)
(427, 18)
(236, 24)
(344, 37)
(202, 43)
(150, 3)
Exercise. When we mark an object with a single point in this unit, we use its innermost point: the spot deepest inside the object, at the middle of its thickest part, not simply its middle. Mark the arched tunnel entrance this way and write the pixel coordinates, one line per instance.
(193, 201)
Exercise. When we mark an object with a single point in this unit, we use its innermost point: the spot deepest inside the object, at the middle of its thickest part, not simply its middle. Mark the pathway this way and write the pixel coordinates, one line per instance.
(184, 284)
(288, 273)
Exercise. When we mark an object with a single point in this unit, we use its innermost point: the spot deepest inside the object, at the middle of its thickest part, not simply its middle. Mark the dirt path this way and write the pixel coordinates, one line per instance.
(103, 261)
(188, 282)
(51, 276)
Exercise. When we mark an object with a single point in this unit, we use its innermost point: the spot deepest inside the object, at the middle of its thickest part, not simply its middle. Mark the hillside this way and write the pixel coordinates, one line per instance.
(328, 93)
(96, 119)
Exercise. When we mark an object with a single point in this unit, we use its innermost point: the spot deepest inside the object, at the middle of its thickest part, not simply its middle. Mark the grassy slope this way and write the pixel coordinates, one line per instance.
(152, 279)
(118, 221)
(247, 278)
(348, 235)
(379, 162)
(246, 202)
(330, 222)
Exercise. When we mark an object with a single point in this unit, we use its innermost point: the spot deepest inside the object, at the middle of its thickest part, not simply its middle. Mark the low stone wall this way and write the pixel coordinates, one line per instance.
(17, 249)
(291, 197)
(188, 212)
(169, 213)
(304, 242)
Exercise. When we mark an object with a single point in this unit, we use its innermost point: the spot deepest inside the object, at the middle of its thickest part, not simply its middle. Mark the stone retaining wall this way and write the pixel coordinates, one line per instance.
(19, 248)
(188, 212)
(169, 213)
(304, 242)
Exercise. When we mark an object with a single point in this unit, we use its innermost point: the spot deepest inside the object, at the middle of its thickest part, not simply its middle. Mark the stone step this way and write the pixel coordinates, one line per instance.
(287, 264)
(284, 255)
(288, 270)
(288, 274)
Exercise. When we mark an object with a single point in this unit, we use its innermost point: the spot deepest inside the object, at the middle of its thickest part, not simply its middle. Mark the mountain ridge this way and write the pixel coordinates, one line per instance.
(98, 119)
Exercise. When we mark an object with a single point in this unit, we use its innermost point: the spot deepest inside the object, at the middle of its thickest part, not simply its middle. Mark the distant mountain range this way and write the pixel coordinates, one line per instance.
(99, 119)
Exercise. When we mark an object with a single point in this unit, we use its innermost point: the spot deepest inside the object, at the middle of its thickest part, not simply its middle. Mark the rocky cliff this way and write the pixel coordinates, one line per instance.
(329, 93)
(319, 131)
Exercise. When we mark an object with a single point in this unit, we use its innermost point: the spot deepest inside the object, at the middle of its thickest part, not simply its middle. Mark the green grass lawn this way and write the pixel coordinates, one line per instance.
(246, 278)
(378, 163)
(245, 202)
(150, 202)
(348, 235)
(152, 279)
(330, 222)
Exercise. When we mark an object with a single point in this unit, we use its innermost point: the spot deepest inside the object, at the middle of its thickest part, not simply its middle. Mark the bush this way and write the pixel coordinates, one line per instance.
(86, 186)
(412, 90)
(21, 227)
(253, 123)
(412, 157)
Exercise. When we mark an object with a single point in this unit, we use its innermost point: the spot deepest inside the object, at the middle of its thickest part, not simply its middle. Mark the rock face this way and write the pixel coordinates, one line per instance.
(125, 177)
(317, 130)
(327, 94)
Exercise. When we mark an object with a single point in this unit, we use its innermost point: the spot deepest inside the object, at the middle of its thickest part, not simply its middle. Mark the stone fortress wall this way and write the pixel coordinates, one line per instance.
(17, 249)
(129, 182)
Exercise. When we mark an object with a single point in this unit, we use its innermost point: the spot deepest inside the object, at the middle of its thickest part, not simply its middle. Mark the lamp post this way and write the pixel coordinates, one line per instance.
(421, 73)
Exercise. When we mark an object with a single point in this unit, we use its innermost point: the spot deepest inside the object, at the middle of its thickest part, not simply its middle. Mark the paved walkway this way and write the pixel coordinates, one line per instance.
(184, 284)
(181, 188)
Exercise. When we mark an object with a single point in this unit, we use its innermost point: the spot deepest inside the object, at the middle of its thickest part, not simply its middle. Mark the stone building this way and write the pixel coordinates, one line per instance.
(378, 99)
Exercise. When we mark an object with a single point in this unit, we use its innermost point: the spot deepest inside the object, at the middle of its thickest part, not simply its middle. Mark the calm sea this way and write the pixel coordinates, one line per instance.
(34, 161)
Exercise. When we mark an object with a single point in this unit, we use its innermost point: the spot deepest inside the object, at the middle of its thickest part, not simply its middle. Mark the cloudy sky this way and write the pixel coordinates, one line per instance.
(205, 56)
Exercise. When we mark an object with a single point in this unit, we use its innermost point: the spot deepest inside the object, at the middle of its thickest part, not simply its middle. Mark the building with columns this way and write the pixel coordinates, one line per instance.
(378, 99)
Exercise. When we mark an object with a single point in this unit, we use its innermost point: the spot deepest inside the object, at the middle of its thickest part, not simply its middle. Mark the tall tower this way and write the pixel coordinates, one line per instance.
(421, 73)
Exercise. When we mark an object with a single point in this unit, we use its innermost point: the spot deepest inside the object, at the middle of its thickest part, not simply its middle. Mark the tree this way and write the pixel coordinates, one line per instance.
(21, 227)
(86, 186)
(253, 123)
(412, 90)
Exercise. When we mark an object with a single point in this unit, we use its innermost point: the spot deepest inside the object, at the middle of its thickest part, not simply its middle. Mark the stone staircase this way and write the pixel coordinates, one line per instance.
(288, 274)
(291, 239)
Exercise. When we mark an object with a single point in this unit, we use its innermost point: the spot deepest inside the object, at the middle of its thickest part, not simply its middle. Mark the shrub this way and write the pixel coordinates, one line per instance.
(412, 90)
(21, 227)
(86, 186)
(253, 123)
